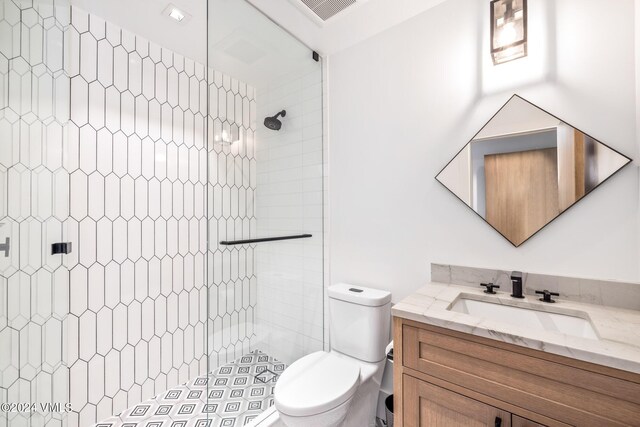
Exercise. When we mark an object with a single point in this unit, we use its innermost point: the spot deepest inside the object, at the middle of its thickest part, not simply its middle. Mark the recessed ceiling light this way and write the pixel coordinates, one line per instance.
(176, 13)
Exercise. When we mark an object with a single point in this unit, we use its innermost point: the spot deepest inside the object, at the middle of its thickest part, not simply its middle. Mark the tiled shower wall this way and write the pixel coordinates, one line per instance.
(231, 193)
(290, 201)
(140, 192)
(34, 106)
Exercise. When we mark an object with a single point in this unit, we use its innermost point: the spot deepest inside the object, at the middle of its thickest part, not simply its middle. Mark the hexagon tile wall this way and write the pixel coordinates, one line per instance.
(34, 108)
(138, 178)
(133, 292)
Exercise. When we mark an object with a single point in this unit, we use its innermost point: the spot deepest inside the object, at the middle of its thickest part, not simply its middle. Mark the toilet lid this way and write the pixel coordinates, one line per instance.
(316, 383)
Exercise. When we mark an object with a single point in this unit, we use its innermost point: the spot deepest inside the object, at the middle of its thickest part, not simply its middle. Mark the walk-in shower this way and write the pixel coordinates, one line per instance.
(164, 250)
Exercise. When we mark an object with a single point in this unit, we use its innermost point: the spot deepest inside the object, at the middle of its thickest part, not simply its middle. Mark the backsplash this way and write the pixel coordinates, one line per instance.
(602, 292)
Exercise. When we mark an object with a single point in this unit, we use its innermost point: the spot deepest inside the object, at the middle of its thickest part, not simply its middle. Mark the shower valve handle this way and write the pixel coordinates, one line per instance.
(5, 247)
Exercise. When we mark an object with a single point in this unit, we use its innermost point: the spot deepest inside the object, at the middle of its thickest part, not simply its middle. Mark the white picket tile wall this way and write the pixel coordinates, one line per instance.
(33, 205)
(140, 192)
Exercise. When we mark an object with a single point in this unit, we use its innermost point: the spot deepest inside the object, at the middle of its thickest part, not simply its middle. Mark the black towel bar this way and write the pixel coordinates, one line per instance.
(264, 239)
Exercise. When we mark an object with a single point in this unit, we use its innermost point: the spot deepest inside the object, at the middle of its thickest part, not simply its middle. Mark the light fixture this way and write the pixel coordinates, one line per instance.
(175, 13)
(508, 30)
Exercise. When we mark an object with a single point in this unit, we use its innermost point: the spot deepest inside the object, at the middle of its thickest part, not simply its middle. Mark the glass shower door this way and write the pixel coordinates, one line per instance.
(265, 276)
(34, 200)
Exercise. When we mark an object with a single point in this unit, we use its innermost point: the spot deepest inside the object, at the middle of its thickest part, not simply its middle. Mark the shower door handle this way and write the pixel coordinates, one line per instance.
(4, 247)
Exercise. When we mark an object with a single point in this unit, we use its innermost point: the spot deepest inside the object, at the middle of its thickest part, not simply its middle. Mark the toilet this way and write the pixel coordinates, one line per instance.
(340, 387)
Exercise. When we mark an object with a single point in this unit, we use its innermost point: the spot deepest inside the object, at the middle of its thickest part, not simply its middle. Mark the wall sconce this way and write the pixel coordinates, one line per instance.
(508, 30)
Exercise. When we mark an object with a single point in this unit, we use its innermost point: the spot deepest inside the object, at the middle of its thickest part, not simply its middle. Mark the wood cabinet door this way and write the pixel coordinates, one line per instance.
(426, 405)
(517, 421)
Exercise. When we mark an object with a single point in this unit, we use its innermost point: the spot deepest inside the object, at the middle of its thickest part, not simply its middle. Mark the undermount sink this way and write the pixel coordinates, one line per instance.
(526, 317)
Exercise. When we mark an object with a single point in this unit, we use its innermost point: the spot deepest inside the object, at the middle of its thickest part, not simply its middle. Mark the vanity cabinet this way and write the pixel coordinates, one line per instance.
(445, 378)
(517, 421)
(430, 405)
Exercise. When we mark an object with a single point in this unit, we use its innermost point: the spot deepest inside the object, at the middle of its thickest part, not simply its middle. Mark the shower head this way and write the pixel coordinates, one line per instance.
(273, 123)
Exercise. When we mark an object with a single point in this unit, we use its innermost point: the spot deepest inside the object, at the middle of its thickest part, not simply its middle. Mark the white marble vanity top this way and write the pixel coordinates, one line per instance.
(618, 329)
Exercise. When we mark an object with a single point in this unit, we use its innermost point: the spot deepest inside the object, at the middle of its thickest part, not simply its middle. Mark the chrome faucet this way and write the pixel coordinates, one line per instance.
(516, 282)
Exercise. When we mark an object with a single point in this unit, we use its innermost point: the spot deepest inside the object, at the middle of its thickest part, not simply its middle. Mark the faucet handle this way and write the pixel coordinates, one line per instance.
(490, 288)
(546, 295)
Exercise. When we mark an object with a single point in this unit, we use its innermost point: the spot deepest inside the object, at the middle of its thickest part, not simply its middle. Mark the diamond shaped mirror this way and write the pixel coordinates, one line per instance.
(526, 167)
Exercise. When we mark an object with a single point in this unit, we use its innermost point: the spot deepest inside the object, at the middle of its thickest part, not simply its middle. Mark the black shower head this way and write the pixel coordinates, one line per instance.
(273, 123)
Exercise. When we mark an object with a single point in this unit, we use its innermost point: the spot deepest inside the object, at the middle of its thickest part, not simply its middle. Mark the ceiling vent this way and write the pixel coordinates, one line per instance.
(322, 11)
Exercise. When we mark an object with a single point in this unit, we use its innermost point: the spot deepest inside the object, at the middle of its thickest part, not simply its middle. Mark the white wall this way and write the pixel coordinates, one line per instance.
(402, 103)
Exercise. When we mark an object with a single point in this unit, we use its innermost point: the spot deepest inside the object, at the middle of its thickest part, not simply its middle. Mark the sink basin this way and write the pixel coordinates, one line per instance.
(529, 318)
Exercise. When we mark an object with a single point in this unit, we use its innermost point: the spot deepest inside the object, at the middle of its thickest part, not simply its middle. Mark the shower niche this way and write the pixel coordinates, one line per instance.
(526, 167)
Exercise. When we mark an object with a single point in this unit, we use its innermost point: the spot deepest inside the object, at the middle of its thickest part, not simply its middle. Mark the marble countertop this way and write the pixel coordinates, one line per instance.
(618, 329)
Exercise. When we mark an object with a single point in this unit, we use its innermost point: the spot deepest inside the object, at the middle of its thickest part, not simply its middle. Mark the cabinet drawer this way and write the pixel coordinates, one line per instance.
(565, 393)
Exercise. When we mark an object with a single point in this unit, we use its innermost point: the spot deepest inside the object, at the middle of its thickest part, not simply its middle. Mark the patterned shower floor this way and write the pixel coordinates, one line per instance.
(230, 396)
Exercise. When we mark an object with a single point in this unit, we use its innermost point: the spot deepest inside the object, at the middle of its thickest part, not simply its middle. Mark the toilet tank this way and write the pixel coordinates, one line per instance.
(359, 321)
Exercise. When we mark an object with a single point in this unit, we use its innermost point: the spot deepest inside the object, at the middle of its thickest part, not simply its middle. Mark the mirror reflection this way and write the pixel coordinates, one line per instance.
(526, 167)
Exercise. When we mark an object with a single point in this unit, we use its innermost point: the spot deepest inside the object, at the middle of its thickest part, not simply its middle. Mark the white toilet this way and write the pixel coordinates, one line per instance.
(340, 387)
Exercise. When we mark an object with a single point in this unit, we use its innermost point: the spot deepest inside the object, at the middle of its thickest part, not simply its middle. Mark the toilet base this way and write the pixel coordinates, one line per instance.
(271, 418)
(331, 418)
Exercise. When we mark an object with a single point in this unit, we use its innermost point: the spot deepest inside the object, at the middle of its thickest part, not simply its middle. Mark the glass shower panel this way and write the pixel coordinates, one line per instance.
(34, 200)
(137, 163)
(266, 307)
(289, 201)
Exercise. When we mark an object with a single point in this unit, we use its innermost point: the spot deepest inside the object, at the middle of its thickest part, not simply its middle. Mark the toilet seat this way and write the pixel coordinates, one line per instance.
(316, 383)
